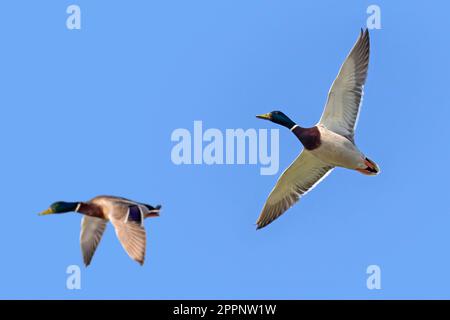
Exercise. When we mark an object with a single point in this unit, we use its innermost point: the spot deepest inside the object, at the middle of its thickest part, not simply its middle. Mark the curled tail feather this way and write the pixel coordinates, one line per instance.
(152, 211)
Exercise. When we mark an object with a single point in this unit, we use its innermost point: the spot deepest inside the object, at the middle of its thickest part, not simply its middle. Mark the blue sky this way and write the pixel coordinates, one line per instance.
(91, 111)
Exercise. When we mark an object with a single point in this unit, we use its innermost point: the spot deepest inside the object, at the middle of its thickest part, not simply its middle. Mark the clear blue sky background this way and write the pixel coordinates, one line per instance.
(91, 112)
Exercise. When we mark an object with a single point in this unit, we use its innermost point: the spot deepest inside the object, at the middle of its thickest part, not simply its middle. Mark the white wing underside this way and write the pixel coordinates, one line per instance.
(300, 177)
(345, 96)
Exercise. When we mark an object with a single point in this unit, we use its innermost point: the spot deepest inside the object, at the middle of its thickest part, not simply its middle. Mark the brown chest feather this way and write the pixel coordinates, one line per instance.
(309, 137)
(91, 210)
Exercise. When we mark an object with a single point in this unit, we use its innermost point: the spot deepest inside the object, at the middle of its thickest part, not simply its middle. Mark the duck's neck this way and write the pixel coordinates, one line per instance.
(287, 123)
(89, 209)
(64, 207)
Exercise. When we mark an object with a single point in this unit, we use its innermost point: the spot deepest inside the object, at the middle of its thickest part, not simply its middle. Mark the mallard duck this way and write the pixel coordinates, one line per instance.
(330, 143)
(126, 216)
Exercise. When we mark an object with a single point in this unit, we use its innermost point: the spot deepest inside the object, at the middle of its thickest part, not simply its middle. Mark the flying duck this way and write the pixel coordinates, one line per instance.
(126, 216)
(330, 143)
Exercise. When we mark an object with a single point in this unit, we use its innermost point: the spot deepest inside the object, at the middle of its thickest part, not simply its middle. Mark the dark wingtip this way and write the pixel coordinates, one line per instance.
(364, 32)
(259, 226)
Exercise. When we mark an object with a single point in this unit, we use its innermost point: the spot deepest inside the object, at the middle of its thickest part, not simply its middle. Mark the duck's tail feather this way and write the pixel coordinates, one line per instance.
(152, 211)
(372, 168)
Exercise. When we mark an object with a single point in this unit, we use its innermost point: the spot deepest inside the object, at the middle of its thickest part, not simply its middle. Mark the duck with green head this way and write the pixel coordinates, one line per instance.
(126, 216)
(330, 143)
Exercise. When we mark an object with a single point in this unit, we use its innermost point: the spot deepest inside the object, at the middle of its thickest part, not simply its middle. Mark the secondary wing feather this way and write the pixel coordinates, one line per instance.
(132, 237)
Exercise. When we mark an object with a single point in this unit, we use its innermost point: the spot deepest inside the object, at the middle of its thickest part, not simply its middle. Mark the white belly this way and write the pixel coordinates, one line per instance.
(338, 151)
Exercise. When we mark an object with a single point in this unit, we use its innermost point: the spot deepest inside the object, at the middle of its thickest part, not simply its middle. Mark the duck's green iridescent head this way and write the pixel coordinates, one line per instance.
(60, 207)
(279, 118)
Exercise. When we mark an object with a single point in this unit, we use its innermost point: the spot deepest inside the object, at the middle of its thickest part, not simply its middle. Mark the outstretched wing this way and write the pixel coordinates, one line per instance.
(345, 95)
(130, 232)
(301, 176)
(91, 233)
